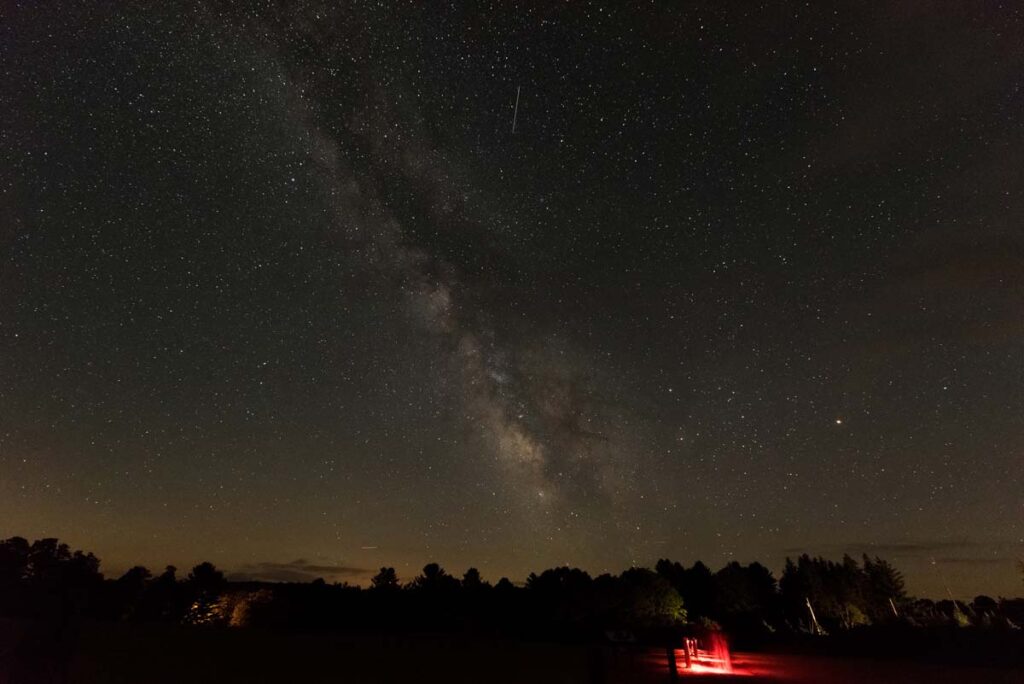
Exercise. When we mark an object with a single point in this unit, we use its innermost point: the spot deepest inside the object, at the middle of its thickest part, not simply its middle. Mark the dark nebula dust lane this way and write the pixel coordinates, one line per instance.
(514, 287)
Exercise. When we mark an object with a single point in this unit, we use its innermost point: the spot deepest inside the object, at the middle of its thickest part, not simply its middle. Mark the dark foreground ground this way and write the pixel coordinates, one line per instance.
(109, 653)
(751, 668)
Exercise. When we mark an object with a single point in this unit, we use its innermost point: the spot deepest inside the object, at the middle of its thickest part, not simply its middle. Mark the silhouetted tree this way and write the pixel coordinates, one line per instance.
(696, 586)
(14, 558)
(386, 579)
(472, 581)
(883, 588)
(65, 583)
(46, 579)
(562, 597)
(746, 598)
(985, 610)
(163, 599)
(128, 592)
(14, 570)
(204, 583)
(434, 578)
(135, 576)
(842, 595)
(984, 604)
(205, 577)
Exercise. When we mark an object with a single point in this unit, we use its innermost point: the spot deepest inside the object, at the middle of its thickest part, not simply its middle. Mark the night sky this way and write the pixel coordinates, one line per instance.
(282, 288)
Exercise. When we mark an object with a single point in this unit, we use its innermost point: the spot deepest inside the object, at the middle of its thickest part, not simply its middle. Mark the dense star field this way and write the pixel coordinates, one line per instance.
(305, 289)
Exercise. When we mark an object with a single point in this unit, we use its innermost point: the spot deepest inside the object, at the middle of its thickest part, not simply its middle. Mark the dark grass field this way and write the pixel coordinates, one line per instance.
(109, 653)
(804, 669)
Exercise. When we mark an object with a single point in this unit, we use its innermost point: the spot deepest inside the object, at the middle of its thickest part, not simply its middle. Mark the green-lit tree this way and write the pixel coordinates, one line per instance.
(650, 600)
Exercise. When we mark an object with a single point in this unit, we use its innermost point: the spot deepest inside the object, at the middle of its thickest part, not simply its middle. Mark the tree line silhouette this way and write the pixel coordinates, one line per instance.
(46, 580)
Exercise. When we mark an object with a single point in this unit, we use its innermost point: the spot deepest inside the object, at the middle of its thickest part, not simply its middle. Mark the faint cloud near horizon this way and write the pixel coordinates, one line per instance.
(299, 570)
(963, 552)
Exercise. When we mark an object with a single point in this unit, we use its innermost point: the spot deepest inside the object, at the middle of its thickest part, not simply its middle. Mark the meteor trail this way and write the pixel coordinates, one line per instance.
(515, 114)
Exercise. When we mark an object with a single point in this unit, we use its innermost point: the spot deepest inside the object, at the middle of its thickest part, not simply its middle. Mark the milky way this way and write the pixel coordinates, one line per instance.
(527, 403)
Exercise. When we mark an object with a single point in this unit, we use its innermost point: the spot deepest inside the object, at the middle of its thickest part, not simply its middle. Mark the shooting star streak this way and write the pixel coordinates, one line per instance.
(515, 114)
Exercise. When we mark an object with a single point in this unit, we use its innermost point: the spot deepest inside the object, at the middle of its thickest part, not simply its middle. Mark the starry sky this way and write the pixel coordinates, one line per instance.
(305, 289)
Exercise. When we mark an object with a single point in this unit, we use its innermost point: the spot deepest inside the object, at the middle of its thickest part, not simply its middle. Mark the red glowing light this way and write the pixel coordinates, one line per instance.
(713, 658)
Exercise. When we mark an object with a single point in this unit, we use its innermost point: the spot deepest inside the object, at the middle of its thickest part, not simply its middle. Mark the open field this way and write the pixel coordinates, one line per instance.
(109, 654)
(803, 669)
